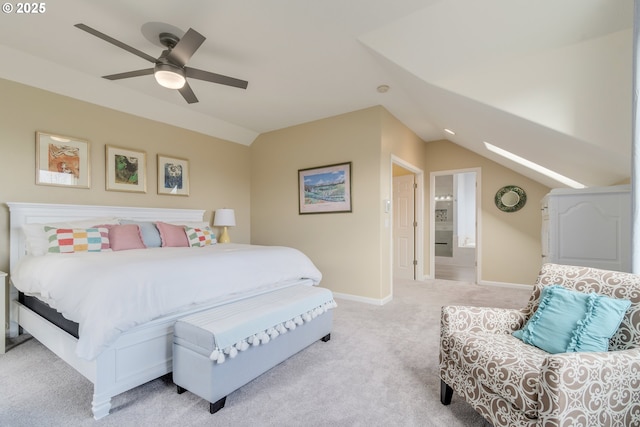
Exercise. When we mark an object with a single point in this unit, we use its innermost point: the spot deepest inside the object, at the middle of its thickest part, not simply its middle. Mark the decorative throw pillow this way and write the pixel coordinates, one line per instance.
(571, 321)
(200, 236)
(125, 237)
(70, 240)
(37, 240)
(149, 231)
(172, 235)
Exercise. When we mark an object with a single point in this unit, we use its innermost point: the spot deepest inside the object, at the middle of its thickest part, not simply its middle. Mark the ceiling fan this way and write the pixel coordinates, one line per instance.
(170, 68)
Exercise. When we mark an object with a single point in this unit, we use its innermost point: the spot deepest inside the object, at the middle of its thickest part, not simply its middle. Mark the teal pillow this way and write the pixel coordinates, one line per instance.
(149, 232)
(571, 321)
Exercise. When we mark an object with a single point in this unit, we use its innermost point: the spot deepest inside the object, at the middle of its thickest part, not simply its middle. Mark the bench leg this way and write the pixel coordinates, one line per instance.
(215, 407)
(325, 338)
(446, 393)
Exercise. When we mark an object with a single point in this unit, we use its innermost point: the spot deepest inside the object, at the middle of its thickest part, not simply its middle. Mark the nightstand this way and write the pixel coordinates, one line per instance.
(4, 291)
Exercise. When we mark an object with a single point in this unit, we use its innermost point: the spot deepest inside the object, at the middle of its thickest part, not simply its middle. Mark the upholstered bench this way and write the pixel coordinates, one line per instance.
(221, 349)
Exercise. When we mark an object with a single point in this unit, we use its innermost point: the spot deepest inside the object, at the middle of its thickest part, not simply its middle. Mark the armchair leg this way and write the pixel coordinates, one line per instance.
(446, 393)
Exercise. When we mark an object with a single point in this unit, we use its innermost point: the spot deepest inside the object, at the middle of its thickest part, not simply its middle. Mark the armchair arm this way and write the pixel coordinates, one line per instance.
(591, 389)
(480, 319)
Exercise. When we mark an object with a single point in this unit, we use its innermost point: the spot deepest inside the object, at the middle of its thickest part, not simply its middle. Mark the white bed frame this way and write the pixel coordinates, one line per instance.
(140, 354)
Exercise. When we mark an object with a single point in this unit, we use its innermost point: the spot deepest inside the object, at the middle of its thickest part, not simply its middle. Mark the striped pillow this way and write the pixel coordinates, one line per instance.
(70, 240)
(200, 236)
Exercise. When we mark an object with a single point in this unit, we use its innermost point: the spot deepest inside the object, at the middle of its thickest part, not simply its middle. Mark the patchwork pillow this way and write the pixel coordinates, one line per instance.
(149, 231)
(571, 321)
(172, 235)
(200, 236)
(126, 236)
(70, 240)
(37, 240)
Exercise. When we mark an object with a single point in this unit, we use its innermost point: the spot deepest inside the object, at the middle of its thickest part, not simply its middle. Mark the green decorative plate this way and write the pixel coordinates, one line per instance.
(510, 198)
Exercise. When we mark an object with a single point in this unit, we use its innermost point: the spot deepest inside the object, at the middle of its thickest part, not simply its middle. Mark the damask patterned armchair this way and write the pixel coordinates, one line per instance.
(511, 383)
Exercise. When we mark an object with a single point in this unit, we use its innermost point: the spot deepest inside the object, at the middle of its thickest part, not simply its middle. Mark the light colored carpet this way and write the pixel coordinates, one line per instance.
(380, 368)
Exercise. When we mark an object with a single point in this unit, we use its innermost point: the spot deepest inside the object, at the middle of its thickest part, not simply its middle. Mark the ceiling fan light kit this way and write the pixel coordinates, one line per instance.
(169, 69)
(169, 76)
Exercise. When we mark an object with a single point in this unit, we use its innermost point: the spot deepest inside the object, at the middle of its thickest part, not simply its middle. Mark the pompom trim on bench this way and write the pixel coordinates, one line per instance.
(264, 337)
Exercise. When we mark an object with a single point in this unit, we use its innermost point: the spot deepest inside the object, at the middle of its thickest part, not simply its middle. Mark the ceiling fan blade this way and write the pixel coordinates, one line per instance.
(187, 94)
(116, 42)
(186, 47)
(128, 74)
(215, 78)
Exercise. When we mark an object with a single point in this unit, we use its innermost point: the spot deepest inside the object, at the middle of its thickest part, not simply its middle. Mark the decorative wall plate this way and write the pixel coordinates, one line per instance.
(510, 198)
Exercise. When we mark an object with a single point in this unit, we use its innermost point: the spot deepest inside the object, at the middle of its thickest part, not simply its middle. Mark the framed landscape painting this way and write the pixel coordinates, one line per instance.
(325, 189)
(126, 170)
(173, 176)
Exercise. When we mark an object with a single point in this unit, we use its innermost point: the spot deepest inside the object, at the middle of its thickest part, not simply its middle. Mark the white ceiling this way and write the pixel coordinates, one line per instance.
(548, 80)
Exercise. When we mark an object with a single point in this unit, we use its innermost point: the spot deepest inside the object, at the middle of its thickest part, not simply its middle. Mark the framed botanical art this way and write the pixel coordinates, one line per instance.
(173, 176)
(62, 161)
(325, 189)
(126, 169)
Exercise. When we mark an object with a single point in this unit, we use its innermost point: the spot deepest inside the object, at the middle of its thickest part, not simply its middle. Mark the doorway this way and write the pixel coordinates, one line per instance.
(407, 223)
(454, 218)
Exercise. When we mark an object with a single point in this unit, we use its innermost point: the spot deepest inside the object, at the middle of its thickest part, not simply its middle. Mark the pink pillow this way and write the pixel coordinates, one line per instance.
(123, 237)
(172, 235)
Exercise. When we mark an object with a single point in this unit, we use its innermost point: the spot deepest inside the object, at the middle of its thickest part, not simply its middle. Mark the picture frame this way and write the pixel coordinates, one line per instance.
(325, 189)
(173, 175)
(126, 169)
(62, 161)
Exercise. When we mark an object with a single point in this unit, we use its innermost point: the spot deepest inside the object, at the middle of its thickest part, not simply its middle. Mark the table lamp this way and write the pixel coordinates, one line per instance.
(224, 218)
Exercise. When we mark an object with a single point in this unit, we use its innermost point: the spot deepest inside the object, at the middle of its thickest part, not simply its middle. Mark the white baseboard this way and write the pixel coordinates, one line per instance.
(491, 283)
(383, 301)
(504, 284)
(366, 300)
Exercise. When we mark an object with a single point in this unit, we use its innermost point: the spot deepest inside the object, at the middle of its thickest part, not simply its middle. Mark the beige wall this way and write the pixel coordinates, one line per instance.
(402, 144)
(351, 249)
(511, 243)
(344, 246)
(219, 170)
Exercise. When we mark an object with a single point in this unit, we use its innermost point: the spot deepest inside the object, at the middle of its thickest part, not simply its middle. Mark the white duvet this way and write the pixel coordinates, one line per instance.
(107, 293)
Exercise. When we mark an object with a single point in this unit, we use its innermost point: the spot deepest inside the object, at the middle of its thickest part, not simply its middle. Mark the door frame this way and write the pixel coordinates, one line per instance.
(419, 215)
(432, 220)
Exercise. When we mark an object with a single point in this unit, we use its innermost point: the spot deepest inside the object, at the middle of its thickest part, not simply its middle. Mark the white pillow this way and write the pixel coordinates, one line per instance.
(36, 238)
(192, 224)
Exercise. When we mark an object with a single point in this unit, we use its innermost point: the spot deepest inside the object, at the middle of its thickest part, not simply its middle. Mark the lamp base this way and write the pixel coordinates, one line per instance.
(224, 237)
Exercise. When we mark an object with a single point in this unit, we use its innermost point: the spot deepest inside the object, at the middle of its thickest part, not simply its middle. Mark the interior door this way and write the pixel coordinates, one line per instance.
(404, 226)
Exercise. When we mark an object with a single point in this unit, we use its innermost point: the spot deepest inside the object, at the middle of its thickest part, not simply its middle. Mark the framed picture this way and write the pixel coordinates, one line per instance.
(325, 189)
(126, 170)
(62, 161)
(173, 176)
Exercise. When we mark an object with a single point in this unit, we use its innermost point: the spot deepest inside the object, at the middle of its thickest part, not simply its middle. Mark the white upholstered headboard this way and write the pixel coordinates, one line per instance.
(29, 213)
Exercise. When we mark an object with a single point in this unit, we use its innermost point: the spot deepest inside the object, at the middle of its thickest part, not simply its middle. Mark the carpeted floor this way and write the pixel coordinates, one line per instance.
(380, 368)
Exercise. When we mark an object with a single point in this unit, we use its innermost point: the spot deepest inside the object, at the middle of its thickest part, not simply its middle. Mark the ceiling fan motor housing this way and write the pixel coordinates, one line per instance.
(169, 40)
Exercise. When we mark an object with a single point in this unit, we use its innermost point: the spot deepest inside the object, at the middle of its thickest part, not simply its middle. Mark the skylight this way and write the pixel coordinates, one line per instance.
(534, 166)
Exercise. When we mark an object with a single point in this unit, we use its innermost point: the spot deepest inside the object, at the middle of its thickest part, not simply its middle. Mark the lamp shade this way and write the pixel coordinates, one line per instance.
(224, 218)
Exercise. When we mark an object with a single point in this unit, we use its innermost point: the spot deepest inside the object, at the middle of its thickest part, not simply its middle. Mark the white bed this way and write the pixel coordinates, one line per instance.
(144, 350)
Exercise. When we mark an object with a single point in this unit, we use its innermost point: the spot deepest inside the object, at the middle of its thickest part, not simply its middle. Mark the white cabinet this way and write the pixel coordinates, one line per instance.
(589, 227)
(3, 310)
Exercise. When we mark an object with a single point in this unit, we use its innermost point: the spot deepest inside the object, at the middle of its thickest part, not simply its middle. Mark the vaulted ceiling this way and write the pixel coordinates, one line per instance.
(548, 80)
